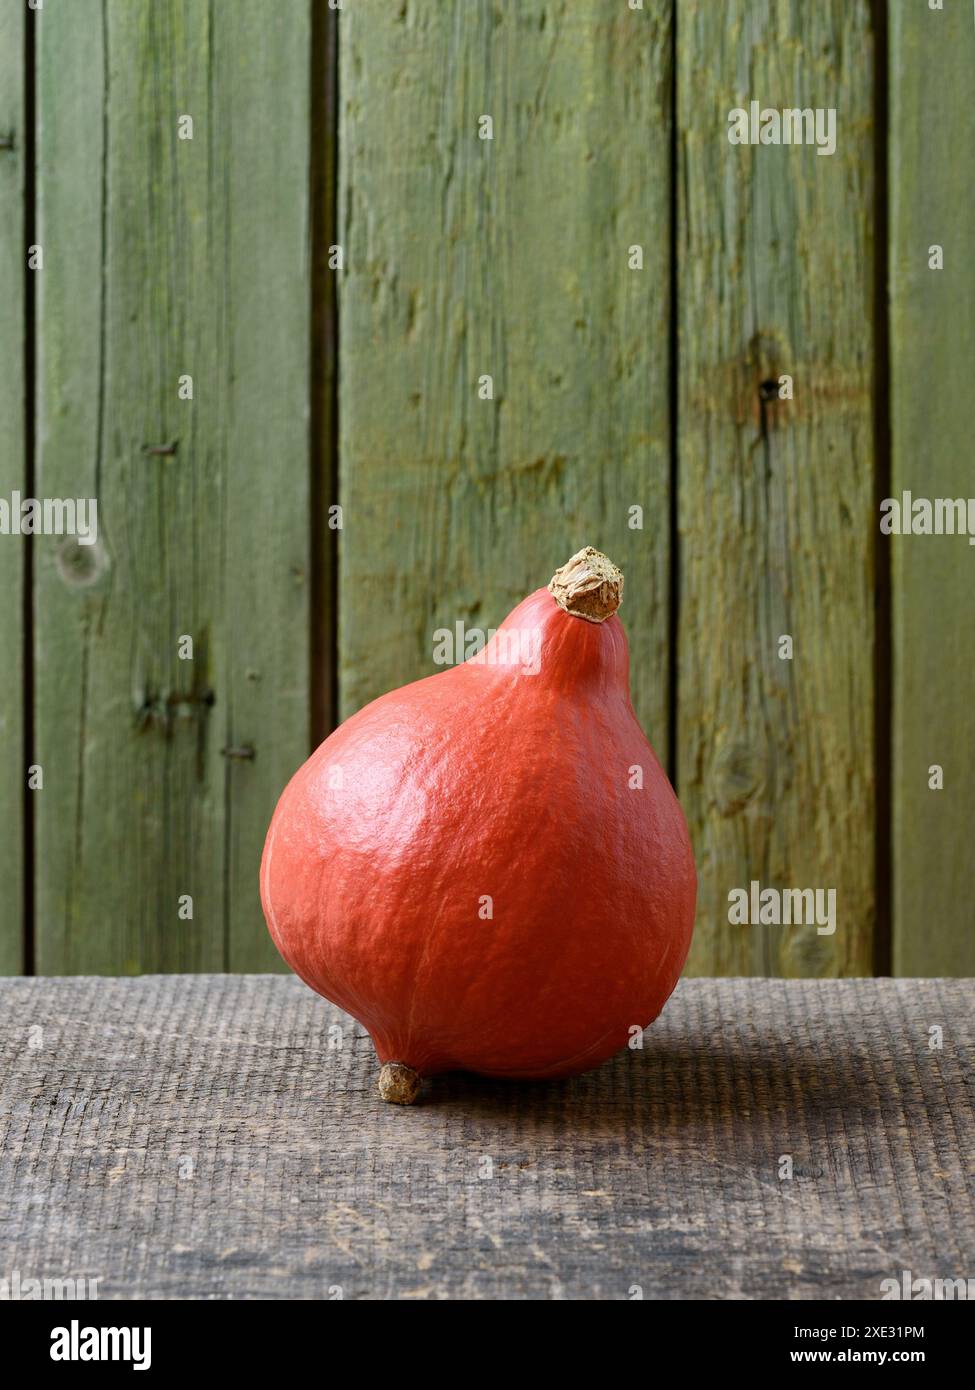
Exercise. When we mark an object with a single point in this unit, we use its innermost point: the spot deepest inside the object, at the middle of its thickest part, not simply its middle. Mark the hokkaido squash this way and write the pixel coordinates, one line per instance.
(489, 868)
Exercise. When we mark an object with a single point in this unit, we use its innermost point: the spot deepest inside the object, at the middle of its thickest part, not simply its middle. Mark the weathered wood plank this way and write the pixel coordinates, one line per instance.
(263, 76)
(13, 770)
(932, 181)
(165, 258)
(188, 1137)
(505, 258)
(776, 499)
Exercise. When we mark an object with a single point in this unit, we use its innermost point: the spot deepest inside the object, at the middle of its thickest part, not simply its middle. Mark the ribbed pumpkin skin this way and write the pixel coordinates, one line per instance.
(484, 781)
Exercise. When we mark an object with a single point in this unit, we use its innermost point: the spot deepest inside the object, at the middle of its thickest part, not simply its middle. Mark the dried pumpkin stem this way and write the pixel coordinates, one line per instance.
(398, 1083)
(588, 586)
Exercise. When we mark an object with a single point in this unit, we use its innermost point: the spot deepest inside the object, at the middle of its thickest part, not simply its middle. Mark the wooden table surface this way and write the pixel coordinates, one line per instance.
(220, 1137)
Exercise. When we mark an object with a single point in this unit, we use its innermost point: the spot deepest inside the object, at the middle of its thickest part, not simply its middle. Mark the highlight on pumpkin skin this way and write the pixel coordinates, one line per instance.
(588, 586)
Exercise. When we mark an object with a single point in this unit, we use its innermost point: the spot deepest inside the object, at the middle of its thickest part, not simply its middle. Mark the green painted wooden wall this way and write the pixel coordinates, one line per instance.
(775, 277)
(556, 336)
(13, 466)
(167, 258)
(932, 181)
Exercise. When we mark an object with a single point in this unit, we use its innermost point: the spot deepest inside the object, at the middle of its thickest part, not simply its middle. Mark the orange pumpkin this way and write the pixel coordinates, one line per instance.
(489, 868)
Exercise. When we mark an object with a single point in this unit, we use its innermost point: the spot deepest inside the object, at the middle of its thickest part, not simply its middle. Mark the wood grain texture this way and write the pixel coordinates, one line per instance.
(509, 258)
(193, 1137)
(775, 276)
(166, 257)
(13, 770)
(932, 180)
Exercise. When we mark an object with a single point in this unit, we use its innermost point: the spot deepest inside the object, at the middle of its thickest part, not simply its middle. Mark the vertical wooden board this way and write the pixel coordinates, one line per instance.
(932, 184)
(775, 276)
(167, 258)
(12, 478)
(509, 258)
(263, 101)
